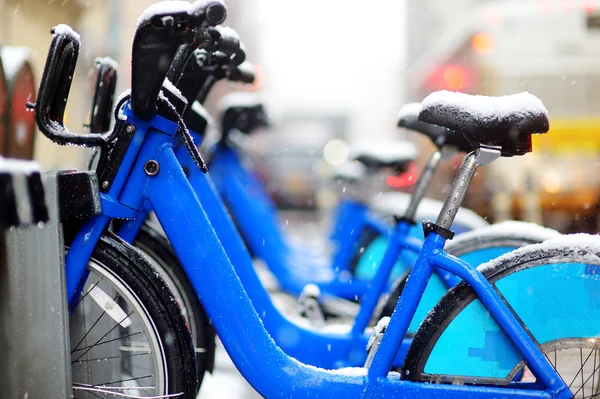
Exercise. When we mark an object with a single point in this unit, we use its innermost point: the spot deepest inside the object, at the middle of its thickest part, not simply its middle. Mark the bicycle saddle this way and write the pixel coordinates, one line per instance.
(351, 172)
(242, 111)
(507, 121)
(439, 135)
(377, 155)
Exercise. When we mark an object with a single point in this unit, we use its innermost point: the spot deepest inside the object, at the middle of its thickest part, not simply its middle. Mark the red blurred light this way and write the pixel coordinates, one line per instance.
(588, 6)
(405, 179)
(483, 43)
(455, 77)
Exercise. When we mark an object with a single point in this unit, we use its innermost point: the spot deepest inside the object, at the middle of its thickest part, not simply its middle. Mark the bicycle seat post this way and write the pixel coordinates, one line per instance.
(481, 156)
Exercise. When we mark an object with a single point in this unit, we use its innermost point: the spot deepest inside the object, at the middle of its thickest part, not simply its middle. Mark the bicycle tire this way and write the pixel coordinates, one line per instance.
(566, 263)
(125, 268)
(156, 246)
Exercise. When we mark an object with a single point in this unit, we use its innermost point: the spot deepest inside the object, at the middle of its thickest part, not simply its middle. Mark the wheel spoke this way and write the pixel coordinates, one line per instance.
(92, 327)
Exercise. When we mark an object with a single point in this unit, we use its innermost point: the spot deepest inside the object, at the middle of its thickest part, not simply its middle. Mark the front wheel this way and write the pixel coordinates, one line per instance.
(554, 290)
(128, 336)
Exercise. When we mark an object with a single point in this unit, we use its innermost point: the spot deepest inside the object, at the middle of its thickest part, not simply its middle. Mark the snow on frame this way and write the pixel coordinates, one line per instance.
(386, 151)
(63, 29)
(486, 108)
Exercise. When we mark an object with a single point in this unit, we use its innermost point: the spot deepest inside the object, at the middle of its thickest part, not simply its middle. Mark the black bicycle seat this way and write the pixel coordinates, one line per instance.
(378, 155)
(507, 121)
(242, 111)
(439, 135)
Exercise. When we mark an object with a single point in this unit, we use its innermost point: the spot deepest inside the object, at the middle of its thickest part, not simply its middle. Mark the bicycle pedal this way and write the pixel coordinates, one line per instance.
(375, 339)
(310, 307)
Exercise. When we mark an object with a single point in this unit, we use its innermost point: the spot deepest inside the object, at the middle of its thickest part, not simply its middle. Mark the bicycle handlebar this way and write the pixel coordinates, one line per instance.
(54, 91)
(157, 39)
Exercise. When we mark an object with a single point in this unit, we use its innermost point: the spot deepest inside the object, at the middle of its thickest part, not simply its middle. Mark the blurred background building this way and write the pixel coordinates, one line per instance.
(333, 69)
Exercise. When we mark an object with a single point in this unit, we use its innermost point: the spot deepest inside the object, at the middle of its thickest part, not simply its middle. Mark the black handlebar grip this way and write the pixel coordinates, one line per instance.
(245, 73)
(156, 41)
(229, 43)
(215, 13)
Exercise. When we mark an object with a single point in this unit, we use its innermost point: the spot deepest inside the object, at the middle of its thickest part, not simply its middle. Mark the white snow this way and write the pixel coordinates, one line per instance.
(18, 166)
(119, 99)
(582, 248)
(347, 371)
(388, 152)
(513, 229)
(171, 87)
(239, 99)
(336, 329)
(13, 58)
(64, 29)
(200, 110)
(379, 328)
(487, 108)
(165, 7)
(350, 171)
(247, 67)
(409, 110)
(395, 203)
(198, 6)
(108, 61)
(310, 290)
(226, 31)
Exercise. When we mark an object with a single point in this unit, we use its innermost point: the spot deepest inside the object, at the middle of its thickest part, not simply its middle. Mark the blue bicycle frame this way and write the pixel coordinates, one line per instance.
(266, 367)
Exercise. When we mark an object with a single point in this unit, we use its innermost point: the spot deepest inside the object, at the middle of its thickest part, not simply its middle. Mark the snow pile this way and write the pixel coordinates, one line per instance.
(531, 232)
(63, 29)
(410, 110)
(581, 248)
(486, 109)
(198, 7)
(108, 61)
(387, 152)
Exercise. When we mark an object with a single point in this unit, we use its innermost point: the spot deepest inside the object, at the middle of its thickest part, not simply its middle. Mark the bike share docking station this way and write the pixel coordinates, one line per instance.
(34, 336)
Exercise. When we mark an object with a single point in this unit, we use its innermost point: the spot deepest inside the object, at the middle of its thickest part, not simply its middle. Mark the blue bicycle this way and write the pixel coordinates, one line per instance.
(510, 356)
(320, 348)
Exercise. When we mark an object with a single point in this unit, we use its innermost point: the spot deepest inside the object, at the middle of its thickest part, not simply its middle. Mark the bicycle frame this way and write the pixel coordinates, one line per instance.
(266, 367)
(316, 347)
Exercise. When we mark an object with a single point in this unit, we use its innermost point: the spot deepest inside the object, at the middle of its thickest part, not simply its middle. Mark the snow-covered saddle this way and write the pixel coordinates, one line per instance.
(377, 155)
(408, 118)
(506, 121)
